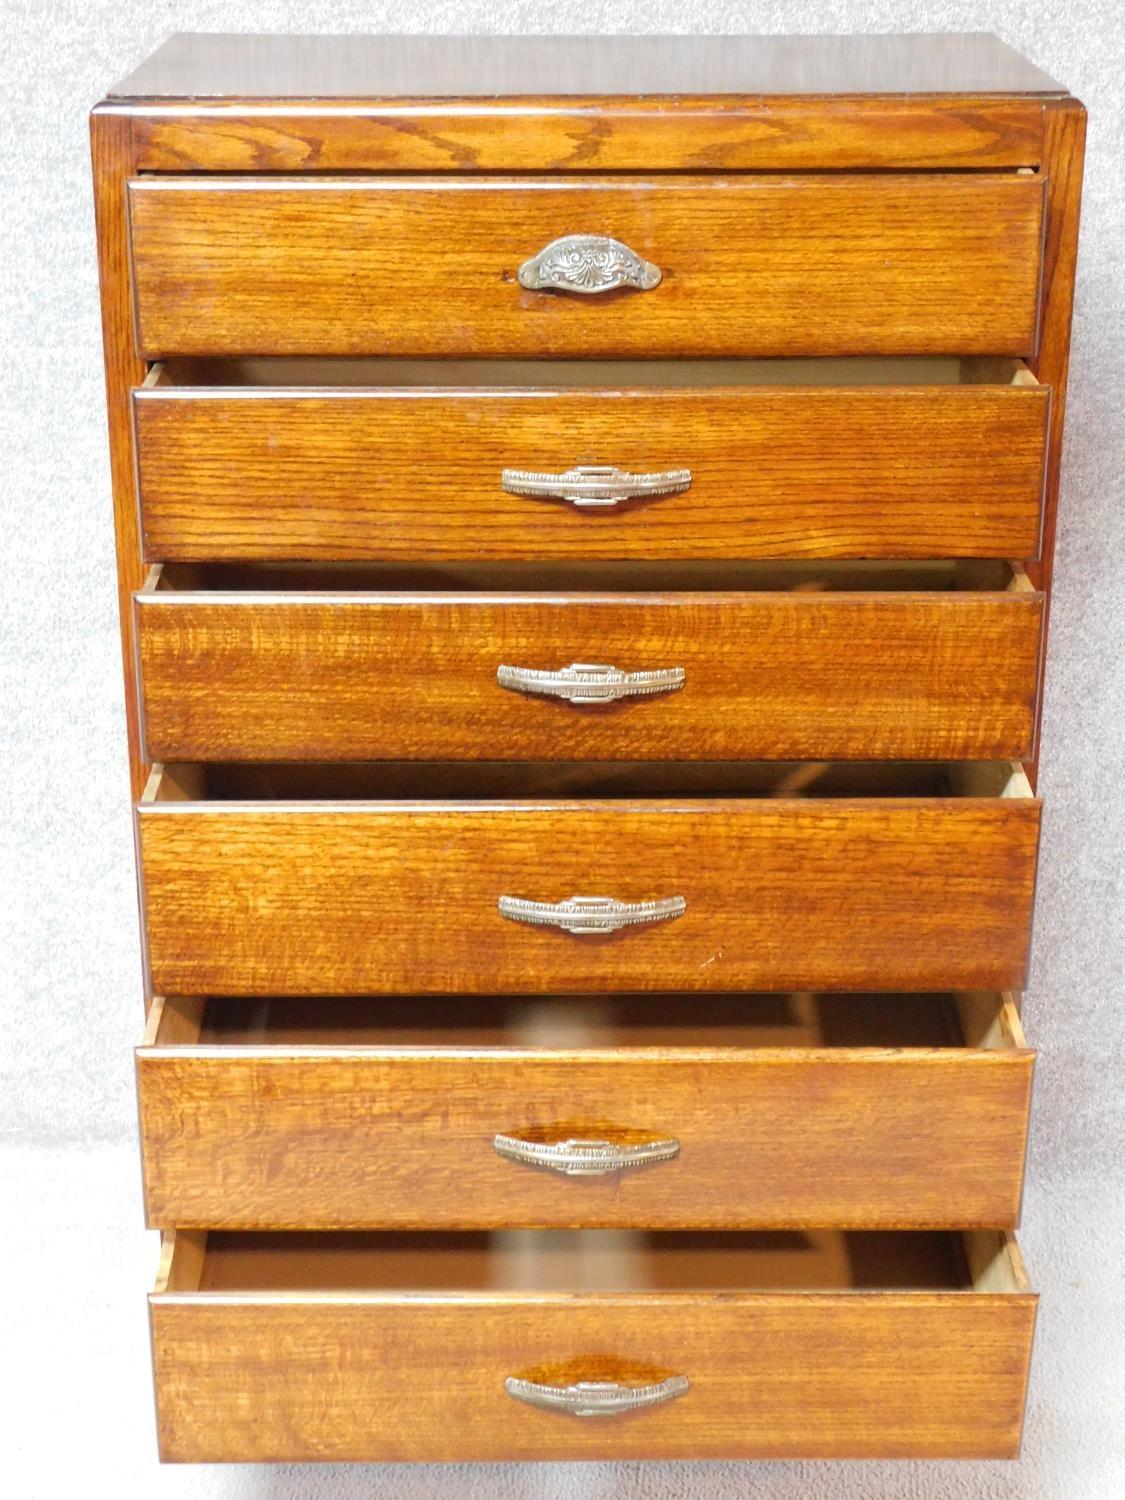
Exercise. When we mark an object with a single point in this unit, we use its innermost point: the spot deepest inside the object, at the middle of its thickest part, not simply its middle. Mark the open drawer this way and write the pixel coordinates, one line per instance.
(408, 460)
(740, 1111)
(569, 878)
(384, 1347)
(692, 662)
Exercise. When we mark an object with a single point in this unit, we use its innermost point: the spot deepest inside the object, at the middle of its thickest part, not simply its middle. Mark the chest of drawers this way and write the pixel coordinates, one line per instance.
(584, 515)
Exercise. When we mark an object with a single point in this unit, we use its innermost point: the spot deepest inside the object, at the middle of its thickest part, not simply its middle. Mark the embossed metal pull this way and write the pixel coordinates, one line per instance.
(577, 1158)
(590, 682)
(594, 486)
(596, 1398)
(587, 264)
(590, 914)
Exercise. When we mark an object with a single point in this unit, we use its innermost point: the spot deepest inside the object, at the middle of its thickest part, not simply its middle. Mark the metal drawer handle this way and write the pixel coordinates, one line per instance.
(587, 264)
(594, 486)
(588, 914)
(596, 1398)
(591, 682)
(576, 1158)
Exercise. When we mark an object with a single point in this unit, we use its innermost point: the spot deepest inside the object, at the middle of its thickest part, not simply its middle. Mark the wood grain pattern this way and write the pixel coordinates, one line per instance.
(408, 676)
(390, 1375)
(887, 217)
(111, 154)
(1066, 144)
(591, 135)
(807, 471)
(347, 1134)
(415, 266)
(276, 898)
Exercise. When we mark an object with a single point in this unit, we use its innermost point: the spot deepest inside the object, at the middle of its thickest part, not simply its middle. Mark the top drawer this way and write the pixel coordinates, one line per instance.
(431, 266)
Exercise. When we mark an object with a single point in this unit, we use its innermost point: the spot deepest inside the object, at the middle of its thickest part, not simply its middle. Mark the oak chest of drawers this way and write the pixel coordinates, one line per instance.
(584, 516)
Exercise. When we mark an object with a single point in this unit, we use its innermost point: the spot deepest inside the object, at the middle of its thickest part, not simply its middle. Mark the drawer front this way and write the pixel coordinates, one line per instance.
(259, 1137)
(345, 1377)
(749, 265)
(745, 676)
(398, 475)
(403, 898)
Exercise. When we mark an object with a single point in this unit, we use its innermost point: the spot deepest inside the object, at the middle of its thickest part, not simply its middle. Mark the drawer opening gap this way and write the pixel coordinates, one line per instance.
(594, 1260)
(227, 376)
(440, 782)
(979, 1021)
(965, 575)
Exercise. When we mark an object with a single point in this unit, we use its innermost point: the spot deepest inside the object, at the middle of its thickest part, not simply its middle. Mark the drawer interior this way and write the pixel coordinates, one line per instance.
(980, 1021)
(591, 1260)
(257, 579)
(450, 374)
(421, 781)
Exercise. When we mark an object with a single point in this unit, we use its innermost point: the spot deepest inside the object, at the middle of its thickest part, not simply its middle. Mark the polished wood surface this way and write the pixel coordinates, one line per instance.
(111, 153)
(791, 1111)
(334, 675)
(200, 66)
(346, 1013)
(821, 458)
(401, 897)
(251, 1364)
(1066, 145)
(591, 134)
(415, 266)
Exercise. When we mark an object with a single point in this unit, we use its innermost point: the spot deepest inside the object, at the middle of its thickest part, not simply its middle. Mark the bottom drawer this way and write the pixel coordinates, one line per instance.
(484, 1346)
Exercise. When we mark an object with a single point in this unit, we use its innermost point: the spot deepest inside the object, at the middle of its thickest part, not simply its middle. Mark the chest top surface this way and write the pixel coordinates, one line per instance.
(214, 66)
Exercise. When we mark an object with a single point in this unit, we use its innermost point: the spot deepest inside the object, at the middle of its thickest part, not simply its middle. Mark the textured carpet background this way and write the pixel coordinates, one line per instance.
(75, 1259)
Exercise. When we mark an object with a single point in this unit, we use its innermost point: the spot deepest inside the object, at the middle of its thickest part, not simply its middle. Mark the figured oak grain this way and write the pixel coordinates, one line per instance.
(112, 161)
(249, 1369)
(590, 134)
(347, 1133)
(413, 265)
(1065, 143)
(263, 472)
(398, 897)
(317, 1373)
(291, 676)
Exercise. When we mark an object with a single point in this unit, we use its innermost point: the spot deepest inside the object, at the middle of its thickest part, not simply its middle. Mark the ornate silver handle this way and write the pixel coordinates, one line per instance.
(596, 1398)
(594, 486)
(590, 682)
(575, 1158)
(587, 264)
(588, 914)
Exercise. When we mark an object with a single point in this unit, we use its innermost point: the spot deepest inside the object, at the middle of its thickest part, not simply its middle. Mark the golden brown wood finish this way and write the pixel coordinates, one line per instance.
(887, 216)
(592, 135)
(854, 265)
(1063, 164)
(111, 151)
(352, 676)
(401, 897)
(251, 1365)
(791, 1111)
(261, 471)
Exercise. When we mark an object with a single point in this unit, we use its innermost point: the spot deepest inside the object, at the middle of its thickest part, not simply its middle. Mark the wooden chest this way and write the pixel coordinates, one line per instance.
(585, 511)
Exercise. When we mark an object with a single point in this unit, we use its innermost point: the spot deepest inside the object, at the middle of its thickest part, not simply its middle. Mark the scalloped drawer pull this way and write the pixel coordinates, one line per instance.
(587, 264)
